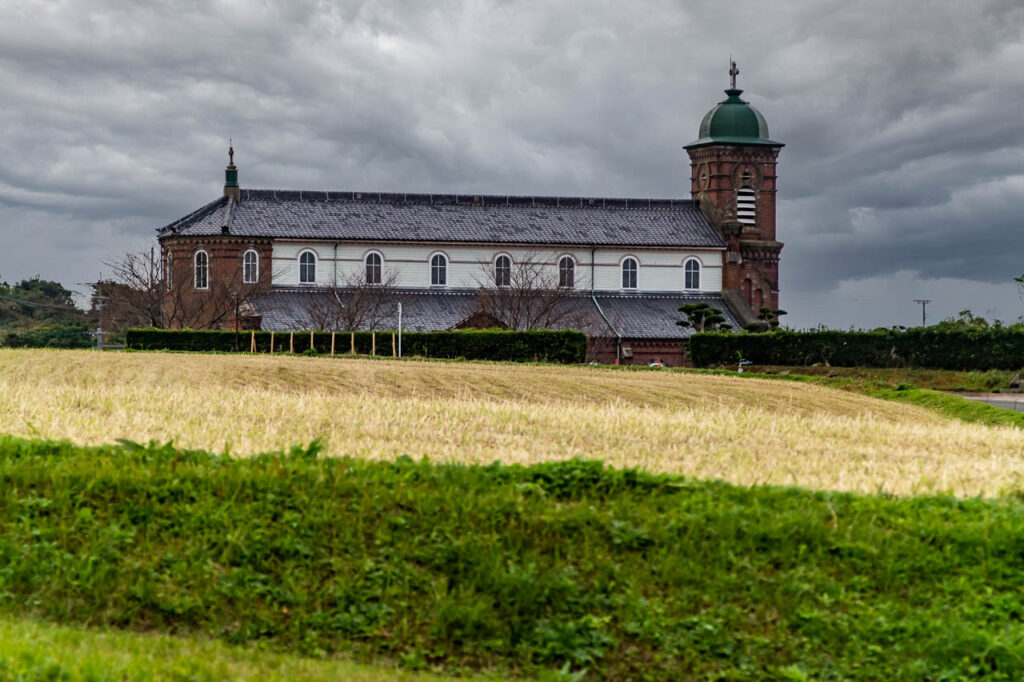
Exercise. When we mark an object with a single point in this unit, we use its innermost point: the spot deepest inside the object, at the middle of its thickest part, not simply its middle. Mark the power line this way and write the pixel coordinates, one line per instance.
(34, 304)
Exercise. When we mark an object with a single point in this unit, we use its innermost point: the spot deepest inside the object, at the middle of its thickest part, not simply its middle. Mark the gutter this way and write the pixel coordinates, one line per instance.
(593, 297)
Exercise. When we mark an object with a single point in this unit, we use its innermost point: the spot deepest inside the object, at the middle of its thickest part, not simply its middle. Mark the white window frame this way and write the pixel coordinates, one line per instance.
(444, 268)
(495, 270)
(379, 265)
(312, 253)
(205, 269)
(699, 274)
(636, 273)
(572, 270)
(255, 267)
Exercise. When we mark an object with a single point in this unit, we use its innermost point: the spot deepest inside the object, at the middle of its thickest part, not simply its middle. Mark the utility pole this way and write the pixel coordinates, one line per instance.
(924, 305)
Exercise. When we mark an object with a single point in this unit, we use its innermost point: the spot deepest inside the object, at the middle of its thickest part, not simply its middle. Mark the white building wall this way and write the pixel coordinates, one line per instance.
(469, 266)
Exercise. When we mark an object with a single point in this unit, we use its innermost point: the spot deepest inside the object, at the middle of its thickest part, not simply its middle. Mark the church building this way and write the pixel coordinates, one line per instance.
(616, 268)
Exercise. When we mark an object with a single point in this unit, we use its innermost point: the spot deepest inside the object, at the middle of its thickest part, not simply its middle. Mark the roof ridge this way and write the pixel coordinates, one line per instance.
(483, 200)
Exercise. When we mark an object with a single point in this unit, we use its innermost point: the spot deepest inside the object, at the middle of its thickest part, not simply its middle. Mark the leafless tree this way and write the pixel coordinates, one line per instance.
(132, 296)
(141, 292)
(530, 297)
(353, 303)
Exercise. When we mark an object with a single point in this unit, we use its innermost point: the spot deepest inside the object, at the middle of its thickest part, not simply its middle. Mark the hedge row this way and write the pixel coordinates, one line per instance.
(477, 344)
(970, 349)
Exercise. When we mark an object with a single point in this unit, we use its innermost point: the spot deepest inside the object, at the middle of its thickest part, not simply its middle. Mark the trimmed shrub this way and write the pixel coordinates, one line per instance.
(564, 347)
(967, 349)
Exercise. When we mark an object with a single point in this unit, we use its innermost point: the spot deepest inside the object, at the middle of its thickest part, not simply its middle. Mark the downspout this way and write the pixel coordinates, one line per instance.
(593, 297)
(335, 265)
(334, 285)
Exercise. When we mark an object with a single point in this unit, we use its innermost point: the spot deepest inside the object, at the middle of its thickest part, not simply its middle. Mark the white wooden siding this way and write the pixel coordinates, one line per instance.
(470, 266)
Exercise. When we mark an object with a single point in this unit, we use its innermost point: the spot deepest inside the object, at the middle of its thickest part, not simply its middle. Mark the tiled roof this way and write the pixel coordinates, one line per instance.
(653, 316)
(364, 216)
(633, 316)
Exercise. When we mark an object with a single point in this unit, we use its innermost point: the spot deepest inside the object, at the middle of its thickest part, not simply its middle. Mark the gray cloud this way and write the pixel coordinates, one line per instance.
(901, 172)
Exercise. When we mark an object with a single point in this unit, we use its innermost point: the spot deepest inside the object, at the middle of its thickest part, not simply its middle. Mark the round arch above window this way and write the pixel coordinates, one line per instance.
(438, 270)
(307, 267)
(503, 270)
(567, 272)
(374, 263)
(250, 266)
(201, 270)
(630, 269)
(692, 274)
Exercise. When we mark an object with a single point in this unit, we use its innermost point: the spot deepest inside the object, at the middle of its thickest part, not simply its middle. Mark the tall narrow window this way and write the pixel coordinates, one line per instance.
(746, 206)
(629, 268)
(373, 268)
(691, 274)
(307, 268)
(167, 271)
(202, 270)
(250, 267)
(438, 270)
(503, 271)
(566, 272)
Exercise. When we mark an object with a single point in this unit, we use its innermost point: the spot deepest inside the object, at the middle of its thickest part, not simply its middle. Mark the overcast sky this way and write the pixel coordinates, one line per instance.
(902, 175)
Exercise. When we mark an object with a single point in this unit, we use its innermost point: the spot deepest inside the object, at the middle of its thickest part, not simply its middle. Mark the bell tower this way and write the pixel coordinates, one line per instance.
(732, 175)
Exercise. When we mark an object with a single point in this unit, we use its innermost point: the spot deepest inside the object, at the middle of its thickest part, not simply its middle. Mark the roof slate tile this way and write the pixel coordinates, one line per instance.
(579, 221)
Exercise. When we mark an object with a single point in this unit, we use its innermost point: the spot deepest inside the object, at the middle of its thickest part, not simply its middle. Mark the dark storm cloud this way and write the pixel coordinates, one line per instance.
(902, 121)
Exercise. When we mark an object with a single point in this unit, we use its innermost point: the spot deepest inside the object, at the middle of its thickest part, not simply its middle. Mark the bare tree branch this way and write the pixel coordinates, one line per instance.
(532, 298)
(353, 304)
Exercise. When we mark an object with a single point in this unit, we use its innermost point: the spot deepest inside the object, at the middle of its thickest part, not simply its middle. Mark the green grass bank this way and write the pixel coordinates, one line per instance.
(32, 651)
(519, 570)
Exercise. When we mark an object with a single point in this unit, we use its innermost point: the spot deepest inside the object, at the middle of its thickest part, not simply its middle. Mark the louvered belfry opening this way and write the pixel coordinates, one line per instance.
(746, 206)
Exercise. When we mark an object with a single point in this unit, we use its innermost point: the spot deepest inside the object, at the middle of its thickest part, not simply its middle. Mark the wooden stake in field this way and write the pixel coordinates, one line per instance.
(271, 343)
(332, 343)
(353, 343)
(373, 343)
(252, 342)
(291, 342)
(394, 351)
(311, 346)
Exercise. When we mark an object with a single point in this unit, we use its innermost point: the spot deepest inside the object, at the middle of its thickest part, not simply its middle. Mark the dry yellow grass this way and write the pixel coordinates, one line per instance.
(740, 430)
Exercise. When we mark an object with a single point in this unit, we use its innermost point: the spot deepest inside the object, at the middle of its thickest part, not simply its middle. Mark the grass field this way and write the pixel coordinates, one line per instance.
(517, 571)
(32, 651)
(745, 431)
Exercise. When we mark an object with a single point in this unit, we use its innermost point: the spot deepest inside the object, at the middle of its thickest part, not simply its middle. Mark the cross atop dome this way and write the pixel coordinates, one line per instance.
(733, 72)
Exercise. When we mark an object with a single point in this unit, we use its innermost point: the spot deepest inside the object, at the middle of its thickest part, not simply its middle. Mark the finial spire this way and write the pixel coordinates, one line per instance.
(231, 175)
(733, 72)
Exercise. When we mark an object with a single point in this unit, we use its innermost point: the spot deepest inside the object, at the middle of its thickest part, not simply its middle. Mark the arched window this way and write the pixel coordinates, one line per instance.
(438, 270)
(746, 206)
(503, 271)
(629, 268)
(250, 267)
(566, 272)
(202, 270)
(373, 263)
(307, 267)
(691, 274)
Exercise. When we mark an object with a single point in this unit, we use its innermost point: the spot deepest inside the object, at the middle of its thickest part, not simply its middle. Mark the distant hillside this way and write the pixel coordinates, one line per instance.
(38, 312)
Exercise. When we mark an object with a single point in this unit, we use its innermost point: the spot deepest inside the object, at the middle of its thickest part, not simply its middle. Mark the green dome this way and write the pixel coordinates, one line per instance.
(733, 121)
